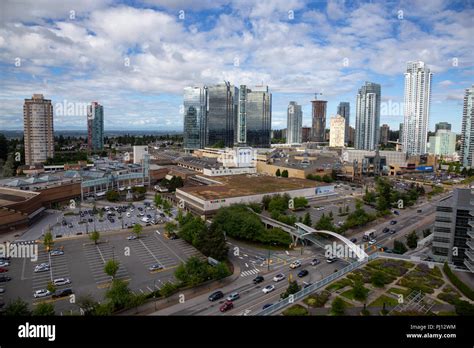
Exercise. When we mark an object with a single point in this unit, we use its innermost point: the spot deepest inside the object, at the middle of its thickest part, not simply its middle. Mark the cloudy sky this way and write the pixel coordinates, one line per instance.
(135, 57)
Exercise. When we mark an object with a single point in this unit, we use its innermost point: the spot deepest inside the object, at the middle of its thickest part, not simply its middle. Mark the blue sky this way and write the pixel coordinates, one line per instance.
(135, 57)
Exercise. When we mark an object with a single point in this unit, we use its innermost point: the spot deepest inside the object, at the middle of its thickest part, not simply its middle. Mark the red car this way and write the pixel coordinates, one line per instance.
(3, 270)
(228, 305)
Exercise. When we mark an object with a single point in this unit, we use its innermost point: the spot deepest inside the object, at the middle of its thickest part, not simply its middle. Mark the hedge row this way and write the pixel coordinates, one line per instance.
(466, 290)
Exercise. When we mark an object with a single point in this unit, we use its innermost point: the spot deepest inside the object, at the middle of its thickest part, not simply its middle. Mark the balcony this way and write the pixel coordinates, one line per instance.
(470, 244)
(470, 234)
(469, 254)
(469, 265)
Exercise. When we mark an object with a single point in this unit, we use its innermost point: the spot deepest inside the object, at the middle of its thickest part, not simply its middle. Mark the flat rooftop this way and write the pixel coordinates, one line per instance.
(9, 196)
(247, 185)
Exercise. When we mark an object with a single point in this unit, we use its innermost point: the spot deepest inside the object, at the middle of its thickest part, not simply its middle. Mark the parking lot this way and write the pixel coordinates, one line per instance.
(79, 221)
(82, 262)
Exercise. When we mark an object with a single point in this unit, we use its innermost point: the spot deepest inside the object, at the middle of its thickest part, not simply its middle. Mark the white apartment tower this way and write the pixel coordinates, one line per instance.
(294, 123)
(467, 135)
(416, 108)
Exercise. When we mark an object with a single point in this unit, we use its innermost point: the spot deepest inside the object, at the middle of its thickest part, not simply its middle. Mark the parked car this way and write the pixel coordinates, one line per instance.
(61, 281)
(279, 277)
(41, 293)
(62, 293)
(56, 252)
(295, 264)
(132, 237)
(228, 305)
(268, 288)
(69, 225)
(4, 263)
(155, 267)
(3, 270)
(2, 290)
(305, 285)
(234, 296)
(42, 268)
(216, 296)
(4, 279)
(258, 279)
(303, 273)
(315, 262)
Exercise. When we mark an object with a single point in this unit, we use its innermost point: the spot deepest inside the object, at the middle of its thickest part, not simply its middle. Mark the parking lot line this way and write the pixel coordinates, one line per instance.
(149, 251)
(179, 257)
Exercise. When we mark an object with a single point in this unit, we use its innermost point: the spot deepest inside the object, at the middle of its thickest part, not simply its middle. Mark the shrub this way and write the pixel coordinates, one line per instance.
(458, 283)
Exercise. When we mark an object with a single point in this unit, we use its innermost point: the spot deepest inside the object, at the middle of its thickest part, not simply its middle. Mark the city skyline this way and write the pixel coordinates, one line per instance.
(141, 78)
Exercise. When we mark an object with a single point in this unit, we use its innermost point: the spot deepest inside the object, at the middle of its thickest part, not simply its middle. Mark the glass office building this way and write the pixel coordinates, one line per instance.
(95, 126)
(195, 117)
(294, 123)
(368, 117)
(254, 116)
(222, 114)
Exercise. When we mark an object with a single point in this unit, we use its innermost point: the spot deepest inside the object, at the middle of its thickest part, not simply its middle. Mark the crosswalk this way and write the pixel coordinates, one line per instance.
(97, 256)
(249, 272)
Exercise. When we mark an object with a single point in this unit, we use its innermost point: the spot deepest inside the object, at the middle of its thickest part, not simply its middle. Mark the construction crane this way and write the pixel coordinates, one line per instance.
(316, 95)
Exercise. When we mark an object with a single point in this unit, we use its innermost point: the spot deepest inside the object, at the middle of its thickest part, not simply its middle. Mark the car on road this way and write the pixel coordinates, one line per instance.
(228, 305)
(265, 306)
(258, 279)
(303, 273)
(419, 211)
(372, 241)
(393, 222)
(315, 262)
(268, 288)
(396, 212)
(155, 267)
(279, 277)
(4, 279)
(353, 240)
(386, 230)
(42, 268)
(392, 231)
(331, 259)
(41, 293)
(62, 293)
(305, 285)
(61, 281)
(295, 264)
(56, 252)
(234, 296)
(215, 296)
(133, 237)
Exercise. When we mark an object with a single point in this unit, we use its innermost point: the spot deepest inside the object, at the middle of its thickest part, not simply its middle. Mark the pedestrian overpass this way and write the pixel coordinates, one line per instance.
(304, 232)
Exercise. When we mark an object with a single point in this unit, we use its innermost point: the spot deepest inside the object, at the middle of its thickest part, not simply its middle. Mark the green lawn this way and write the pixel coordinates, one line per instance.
(389, 301)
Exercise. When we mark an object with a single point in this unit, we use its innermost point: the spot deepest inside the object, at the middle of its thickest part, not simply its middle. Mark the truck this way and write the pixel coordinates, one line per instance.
(369, 235)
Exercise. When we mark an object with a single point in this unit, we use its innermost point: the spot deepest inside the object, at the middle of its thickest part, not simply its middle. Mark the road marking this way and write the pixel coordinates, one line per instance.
(150, 252)
(167, 247)
(246, 265)
(287, 253)
(100, 253)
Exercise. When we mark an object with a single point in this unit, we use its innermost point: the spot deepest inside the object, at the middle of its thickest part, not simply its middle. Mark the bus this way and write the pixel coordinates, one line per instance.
(369, 235)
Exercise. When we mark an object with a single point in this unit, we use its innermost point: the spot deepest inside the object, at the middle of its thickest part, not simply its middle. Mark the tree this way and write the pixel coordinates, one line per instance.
(284, 174)
(51, 287)
(171, 227)
(119, 294)
(278, 173)
(48, 240)
(112, 196)
(111, 267)
(8, 166)
(211, 242)
(158, 200)
(412, 240)
(87, 304)
(293, 288)
(94, 236)
(193, 272)
(359, 291)
(307, 219)
(399, 247)
(3, 147)
(137, 229)
(378, 279)
(17, 307)
(266, 201)
(338, 306)
(44, 309)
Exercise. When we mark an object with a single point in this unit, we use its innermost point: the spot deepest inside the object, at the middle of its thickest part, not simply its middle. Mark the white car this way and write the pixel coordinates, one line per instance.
(41, 293)
(295, 264)
(145, 219)
(372, 241)
(56, 252)
(278, 277)
(129, 215)
(331, 259)
(268, 288)
(61, 281)
(2, 290)
(132, 237)
(42, 268)
(4, 264)
(132, 210)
